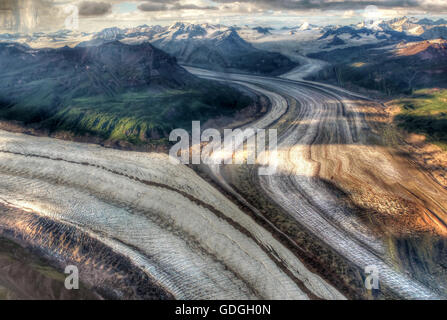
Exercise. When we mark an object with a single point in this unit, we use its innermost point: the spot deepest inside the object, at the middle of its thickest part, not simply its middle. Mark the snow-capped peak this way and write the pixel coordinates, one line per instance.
(304, 26)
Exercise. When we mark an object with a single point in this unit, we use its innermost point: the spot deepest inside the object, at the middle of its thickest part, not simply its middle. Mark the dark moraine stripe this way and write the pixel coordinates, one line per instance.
(107, 272)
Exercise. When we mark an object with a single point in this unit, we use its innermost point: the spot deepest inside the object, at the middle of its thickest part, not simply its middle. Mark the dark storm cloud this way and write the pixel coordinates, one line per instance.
(149, 6)
(331, 4)
(159, 5)
(91, 8)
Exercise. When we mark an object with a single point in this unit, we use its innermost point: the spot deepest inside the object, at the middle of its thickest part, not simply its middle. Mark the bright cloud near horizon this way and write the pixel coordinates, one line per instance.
(46, 15)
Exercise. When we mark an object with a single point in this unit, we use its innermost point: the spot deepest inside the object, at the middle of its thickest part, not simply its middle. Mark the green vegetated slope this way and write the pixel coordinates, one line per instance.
(425, 112)
(390, 69)
(114, 91)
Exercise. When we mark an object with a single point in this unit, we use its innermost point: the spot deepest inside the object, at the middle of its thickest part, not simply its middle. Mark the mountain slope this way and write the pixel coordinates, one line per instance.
(424, 50)
(115, 91)
(392, 69)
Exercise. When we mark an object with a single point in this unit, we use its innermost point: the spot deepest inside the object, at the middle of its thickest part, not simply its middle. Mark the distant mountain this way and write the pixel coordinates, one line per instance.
(356, 33)
(435, 33)
(401, 24)
(214, 47)
(425, 28)
(371, 24)
(347, 30)
(392, 69)
(262, 30)
(110, 34)
(336, 41)
(114, 91)
(143, 31)
(430, 22)
(368, 31)
(219, 48)
(305, 26)
(9, 36)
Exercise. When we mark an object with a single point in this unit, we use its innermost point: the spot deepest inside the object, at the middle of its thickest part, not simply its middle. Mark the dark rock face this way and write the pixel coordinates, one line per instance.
(336, 42)
(262, 30)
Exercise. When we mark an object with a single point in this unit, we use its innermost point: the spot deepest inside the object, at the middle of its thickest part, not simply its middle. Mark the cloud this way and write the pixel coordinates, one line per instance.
(349, 14)
(340, 5)
(192, 7)
(44, 15)
(168, 5)
(148, 6)
(91, 8)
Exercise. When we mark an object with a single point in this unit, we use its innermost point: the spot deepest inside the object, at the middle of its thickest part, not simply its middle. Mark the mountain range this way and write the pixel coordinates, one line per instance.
(360, 33)
(425, 28)
(260, 49)
(209, 46)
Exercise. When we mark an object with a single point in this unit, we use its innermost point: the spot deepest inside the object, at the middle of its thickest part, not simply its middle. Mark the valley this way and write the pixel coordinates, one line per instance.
(354, 107)
(152, 192)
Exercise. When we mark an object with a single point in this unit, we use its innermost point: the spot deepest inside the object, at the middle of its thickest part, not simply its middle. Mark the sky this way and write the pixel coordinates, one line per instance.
(51, 15)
